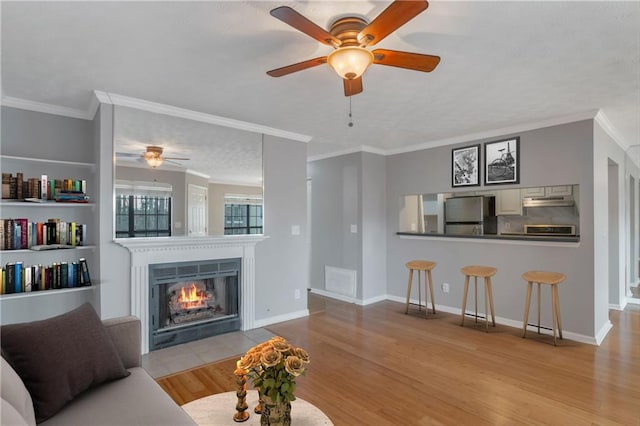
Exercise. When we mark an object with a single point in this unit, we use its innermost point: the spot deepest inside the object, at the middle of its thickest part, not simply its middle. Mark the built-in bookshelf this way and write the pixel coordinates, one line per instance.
(78, 180)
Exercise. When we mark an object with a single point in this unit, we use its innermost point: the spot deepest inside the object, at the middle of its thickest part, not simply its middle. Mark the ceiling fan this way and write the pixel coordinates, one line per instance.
(350, 36)
(153, 156)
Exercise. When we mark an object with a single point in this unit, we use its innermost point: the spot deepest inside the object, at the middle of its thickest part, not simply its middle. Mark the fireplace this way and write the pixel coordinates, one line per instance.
(193, 300)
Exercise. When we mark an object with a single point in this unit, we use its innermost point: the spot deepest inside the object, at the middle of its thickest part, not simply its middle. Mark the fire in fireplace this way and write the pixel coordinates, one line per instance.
(193, 300)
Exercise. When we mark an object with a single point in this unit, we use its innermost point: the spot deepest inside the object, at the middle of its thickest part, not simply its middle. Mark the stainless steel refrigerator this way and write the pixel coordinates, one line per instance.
(475, 215)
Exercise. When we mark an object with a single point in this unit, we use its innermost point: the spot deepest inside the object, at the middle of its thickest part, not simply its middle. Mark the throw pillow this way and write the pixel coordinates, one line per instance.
(60, 357)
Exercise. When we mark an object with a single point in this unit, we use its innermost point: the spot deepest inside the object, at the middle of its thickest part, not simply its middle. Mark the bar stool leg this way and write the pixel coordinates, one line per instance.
(493, 312)
(409, 290)
(486, 306)
(538, 308)
(475, 284)
(525, 320)
(433, 300)
(553, 314)
(419, 291)
(555, 289)
(464, 298)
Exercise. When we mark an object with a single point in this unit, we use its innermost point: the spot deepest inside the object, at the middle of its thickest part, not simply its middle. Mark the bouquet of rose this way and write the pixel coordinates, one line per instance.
(273, 366)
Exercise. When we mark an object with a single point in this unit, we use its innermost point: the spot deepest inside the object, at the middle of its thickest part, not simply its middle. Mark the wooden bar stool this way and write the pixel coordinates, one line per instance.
(426, 267)
(485, 272)
(552, 279)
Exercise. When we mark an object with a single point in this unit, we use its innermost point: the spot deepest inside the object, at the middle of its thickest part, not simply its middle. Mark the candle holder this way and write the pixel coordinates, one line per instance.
(241, 414)
(258, 409)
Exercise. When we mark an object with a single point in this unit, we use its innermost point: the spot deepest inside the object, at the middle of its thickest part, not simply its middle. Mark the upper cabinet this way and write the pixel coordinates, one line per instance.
(508, 202)
(557, 191)
(548, 191)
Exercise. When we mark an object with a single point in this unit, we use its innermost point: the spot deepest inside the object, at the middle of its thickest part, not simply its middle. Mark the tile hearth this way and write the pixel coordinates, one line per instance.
(193, 354)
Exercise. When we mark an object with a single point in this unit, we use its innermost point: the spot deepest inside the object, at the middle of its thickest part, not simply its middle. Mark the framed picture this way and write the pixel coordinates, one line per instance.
(502, 162)
(465, 166)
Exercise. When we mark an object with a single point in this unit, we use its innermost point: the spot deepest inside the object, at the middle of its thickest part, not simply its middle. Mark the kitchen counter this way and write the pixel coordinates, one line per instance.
(500, 237)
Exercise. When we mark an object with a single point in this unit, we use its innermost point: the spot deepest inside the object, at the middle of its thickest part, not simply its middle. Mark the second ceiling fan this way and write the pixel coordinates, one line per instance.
(350, 36)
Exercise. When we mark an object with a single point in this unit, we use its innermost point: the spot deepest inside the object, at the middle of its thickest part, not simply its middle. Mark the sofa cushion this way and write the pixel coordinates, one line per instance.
(137, 400)
(60, 357)
(10, 416)
(15, 394)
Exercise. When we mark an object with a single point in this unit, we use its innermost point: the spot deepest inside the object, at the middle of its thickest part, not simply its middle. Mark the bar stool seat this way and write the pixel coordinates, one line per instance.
(422, 266)
(477, 271)
(548, 278)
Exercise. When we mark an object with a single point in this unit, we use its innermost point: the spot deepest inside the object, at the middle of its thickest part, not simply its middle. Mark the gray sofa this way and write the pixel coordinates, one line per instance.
(133, 400)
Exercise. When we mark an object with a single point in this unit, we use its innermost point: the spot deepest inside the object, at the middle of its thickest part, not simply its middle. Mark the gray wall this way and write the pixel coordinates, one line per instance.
(40, 135)
(282, 259)
(335, 206)
(350, 190)
(559, 154)
(373, 220)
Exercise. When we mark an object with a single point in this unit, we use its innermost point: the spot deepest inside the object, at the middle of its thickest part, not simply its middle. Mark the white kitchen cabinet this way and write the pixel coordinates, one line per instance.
(557, 191)
(508, 202)
(533, 192)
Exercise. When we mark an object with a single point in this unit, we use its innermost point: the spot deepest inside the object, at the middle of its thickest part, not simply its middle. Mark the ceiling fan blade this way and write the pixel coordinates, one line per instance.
(296, 20)
(393, 17)
(126, 154)
(408, 60)
(176, 158)
(279, 72)
(352, 87)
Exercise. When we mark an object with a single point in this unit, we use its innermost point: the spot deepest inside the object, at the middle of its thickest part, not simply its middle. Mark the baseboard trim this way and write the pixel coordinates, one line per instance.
(280, 318)
(633, 301)
(603, 332)
(617, 307)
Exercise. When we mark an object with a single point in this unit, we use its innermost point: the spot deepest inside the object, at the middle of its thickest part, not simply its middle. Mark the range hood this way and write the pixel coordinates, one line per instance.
(559, 201)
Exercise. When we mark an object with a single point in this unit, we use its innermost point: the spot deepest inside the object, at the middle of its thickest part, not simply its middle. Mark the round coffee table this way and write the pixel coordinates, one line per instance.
(219, 409)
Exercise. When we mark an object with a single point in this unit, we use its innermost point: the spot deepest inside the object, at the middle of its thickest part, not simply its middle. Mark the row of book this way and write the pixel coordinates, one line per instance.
(16, 234)
(43, 189)
(18, 278)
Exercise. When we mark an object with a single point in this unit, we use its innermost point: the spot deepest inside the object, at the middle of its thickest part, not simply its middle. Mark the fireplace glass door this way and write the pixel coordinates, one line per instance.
(193, 300)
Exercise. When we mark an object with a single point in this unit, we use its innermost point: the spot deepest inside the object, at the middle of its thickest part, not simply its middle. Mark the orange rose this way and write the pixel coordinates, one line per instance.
(294, 365)
(281, 346)
(270, 357)
(302, 354)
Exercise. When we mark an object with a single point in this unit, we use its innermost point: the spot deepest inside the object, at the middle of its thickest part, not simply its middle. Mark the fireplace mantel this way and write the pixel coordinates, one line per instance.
(147, 251)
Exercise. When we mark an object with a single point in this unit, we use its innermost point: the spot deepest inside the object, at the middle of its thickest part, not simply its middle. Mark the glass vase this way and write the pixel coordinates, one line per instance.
(275, 414)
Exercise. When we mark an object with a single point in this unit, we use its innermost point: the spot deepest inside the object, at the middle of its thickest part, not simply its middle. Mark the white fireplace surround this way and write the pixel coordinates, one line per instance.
(147, 251)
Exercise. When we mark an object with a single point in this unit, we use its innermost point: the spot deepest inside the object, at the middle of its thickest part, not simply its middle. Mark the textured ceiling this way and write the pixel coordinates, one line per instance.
(503, 64)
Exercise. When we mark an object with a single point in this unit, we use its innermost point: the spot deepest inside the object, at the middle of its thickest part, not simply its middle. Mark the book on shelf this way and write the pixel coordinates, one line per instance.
(19, 278)
(44, 188)
(19, 233)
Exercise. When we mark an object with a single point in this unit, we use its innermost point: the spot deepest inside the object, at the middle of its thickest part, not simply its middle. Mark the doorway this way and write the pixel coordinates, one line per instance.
(197, 211)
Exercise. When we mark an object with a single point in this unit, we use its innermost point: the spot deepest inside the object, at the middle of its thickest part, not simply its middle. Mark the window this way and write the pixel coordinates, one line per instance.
(242, 215)
(143, 209)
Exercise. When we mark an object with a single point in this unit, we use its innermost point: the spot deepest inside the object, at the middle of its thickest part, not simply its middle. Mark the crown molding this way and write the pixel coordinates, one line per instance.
(586, 115)
(194, 173)
(361, 148)
(606, 125)
(45, 108)
(126, 101)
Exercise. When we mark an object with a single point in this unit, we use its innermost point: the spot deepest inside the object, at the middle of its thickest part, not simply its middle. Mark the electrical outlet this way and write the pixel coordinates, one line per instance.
(445, 287)
(297, 294)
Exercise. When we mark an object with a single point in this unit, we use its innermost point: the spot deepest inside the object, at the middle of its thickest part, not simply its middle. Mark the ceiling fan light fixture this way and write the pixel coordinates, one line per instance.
(154, 161)
(350, 62)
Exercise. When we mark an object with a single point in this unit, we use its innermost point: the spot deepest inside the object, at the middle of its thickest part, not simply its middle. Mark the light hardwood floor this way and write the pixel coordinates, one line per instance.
(374, 365)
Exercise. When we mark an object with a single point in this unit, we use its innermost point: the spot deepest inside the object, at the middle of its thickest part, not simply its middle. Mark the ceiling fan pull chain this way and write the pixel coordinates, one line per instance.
(350, 116)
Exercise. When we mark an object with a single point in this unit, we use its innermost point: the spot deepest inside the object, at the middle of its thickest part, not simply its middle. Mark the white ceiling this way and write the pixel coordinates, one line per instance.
(504, 64)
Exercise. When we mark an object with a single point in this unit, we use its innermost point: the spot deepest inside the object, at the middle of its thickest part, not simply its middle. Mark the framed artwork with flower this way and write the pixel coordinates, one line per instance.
(465, 166)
